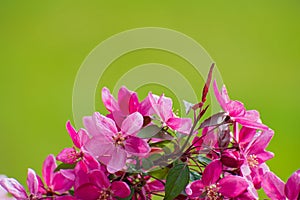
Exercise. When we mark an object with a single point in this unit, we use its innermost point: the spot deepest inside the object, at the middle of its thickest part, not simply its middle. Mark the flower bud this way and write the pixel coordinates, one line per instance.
(231, 158)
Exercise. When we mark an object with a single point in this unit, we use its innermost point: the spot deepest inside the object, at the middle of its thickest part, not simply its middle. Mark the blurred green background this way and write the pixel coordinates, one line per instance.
(256, 45)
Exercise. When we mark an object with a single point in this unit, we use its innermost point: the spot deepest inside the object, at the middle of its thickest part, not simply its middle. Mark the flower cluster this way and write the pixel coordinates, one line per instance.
(142, 149)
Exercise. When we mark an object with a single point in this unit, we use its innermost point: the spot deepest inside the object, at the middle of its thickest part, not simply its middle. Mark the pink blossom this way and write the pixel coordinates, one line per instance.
(214, 187)
(275, 188)
(255, 154)
(111, 146)
(3, 192)
(70, 155)
(97, 186)
(56, 182)
(13, 187)
(237, 111)
(127, 104)
(162, 106)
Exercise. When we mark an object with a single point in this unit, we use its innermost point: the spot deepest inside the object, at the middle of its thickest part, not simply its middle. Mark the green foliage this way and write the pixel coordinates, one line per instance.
(177, 179)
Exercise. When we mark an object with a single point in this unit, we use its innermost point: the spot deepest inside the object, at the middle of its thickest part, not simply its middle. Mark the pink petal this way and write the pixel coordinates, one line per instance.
(166, 106)
(108, 100)
(161, 106)
(145, 107)
(132, 124)
(136, 146)
(104, 125)
(99, 179)
(99, 146)
(225, 94)
(155, 186)
(235, 108)
(182, 125)
(82, 137)
(73, 134)
(292, 187)
(246, 135)
(273, 186)
(90, 125)
(250, 124)
(61, 183)
(232, 186)
(123, 99)
(117, 161)
(49, 166)
(264, 156)
(219, 97)
(118, 117)
(87, 192)
(65, 197)
(195, 189)
(212, 172)
(133, 103)
(13, 187)
(252, 115)
(120, 189)
(261, 142)
(32, 182)
(67, 155)
(91, 162)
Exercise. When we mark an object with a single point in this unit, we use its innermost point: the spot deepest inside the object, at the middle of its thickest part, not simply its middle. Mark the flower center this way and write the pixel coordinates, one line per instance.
(252, 160)
(104, 194)
(212, 192)
(119, 139)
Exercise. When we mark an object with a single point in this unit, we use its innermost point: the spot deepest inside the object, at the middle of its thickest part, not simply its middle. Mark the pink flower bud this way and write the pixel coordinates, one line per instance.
(231, 158)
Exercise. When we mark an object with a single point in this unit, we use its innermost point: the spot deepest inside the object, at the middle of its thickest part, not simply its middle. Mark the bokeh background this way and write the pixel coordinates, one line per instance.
(256, 45)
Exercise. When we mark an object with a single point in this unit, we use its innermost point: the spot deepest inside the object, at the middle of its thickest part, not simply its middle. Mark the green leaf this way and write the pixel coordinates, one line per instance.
(194, 176)
(204, 160)
(160, 174)
(149, 131)
(147, 164)
(65, 166)
(177, 179)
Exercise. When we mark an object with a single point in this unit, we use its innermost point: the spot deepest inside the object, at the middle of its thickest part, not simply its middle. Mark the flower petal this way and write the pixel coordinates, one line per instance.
(61, 183)
(246, 135)
(104, 125)
(73, 134)
(99, 146)
(261, 142)
(133, 103)
(32, 182)
(117, 161)
(136, 146)
(273, 186)
(13, 187)
(232, 186)
(108, 100)
(219, 97)
(195, 189)
(132, 124)
(145, 107)
(250, 124)
(67, 155)
(212, 172)
(90, 125)
(49, 166)
(120, 189)
(292, 187)
(87, 192)
(123, 99)
(182, 125)
(99, 179)
(235, 108)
